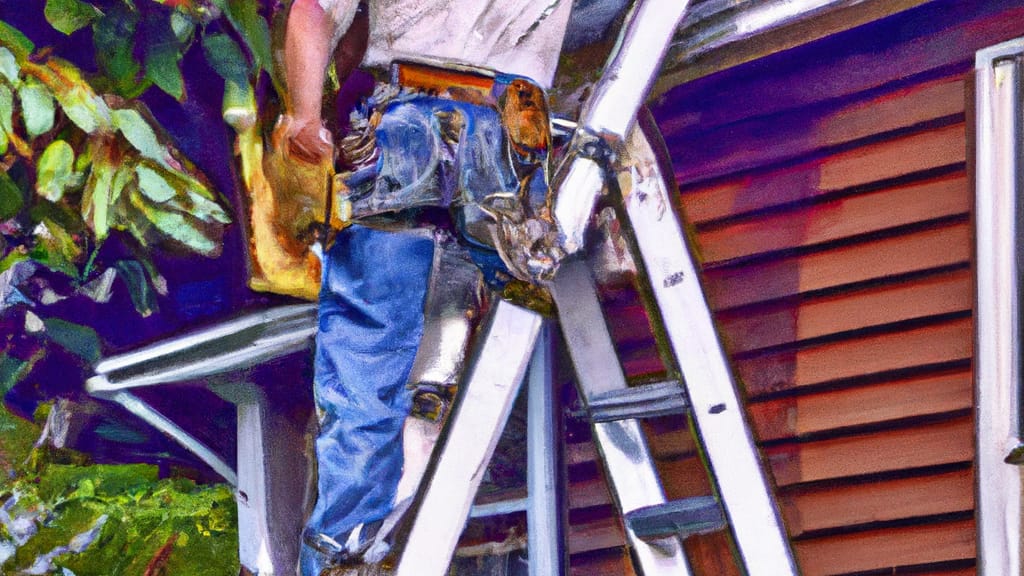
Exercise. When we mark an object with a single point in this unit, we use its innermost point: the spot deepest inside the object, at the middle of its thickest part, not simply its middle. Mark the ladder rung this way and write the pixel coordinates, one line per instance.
(684, 517)
(646, 401)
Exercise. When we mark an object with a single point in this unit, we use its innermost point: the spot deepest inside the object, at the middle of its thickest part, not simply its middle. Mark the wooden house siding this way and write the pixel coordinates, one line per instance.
(828, 192)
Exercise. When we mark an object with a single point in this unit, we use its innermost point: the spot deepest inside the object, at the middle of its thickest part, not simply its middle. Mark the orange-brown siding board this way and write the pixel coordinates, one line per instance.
(588, 493)
(608, 562)
(711, 555)
(595, 535)
(894, 158)
(684, 478)
(672, 443)
(946, 342)
(834, 507)
(797, 320)
(943, 293)
(887, 548)
(865, 405)
(718, 152)
(577, 453)
(838, 219)
(875, 163)
(872, 260)
(919, 446)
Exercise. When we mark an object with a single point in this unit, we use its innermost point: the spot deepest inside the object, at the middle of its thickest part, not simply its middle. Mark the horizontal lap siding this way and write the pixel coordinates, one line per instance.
(842, 285)
(830, 205)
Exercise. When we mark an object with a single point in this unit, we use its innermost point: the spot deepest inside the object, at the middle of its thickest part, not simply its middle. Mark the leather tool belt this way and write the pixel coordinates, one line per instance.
(287, 221)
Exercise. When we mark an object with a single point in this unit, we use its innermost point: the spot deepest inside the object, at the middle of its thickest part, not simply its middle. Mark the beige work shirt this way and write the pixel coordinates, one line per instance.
(521, 37)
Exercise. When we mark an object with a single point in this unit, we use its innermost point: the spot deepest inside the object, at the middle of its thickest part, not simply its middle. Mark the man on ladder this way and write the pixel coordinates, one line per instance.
(470, 144)
(454, 189)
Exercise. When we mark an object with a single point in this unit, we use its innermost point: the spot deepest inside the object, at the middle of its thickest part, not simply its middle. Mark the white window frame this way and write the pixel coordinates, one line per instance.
(999, 73)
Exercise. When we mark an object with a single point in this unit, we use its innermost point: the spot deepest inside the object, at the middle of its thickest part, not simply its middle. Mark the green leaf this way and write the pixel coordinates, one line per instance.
(125, 173)
(153, 185)
(239, 106)
(68, 217)
(162, 68)
(182, 26)
(158, 281)
(134, 276)
(82, 341)
(244, 16)
(55, 248)
(99, 288)
(15, 41)
(55, 171)
(12, 370)
(11, 199)
(114, 39)
(226, 58)
(140, 134)
(12, 258)
(207, 210)
(67, 16)
(6, 115)
(84, 159)
(195, 198)
(176, 225)
(163, 51)
(76, 97)
(37, 107)
(96, 196)
(9, 66)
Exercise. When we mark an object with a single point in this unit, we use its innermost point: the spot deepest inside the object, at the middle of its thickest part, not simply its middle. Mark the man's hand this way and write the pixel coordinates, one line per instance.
(309, 41)
(306, 140)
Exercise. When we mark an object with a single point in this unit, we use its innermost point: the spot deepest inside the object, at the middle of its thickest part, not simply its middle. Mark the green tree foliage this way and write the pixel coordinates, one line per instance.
(82, 161)
(235, 36)
(76, 167)
(65, 519)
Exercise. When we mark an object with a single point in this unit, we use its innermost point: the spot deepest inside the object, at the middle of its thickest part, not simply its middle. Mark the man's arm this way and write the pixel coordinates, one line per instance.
(310, 37)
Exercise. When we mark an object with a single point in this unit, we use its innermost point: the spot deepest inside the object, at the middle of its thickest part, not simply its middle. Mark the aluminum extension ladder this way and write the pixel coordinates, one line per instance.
(607, 126)
(654, 527)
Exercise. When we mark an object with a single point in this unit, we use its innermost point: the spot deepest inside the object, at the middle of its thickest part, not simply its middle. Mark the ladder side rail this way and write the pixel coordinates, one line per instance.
(742, 483)
(608, 114)
(486, 396)
(271, 490)
(546, 513)
(151, 416)
(252, 327)
(634, 480)
(227, 353)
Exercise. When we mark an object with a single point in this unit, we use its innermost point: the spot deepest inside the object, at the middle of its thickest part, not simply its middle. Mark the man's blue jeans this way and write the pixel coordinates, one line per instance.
(372, 302)
(370, 324)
